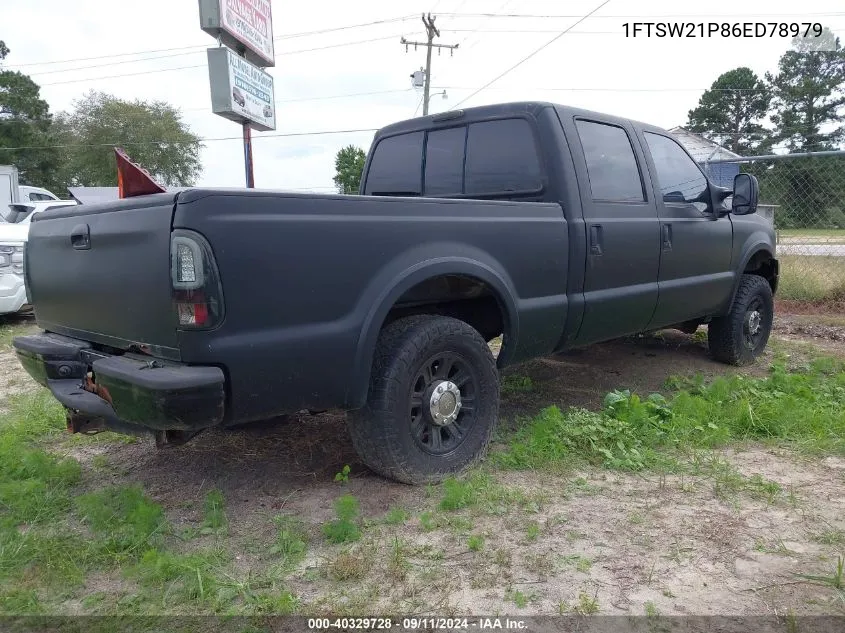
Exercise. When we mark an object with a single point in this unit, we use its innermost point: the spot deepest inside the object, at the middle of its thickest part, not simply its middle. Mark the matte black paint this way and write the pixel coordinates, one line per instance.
(309, 280)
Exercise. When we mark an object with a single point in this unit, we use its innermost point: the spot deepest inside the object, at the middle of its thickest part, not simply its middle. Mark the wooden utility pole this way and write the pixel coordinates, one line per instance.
(432, 32)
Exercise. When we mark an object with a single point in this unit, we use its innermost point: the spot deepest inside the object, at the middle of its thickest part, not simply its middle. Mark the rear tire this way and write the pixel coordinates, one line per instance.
(741, 336)
(412, 429)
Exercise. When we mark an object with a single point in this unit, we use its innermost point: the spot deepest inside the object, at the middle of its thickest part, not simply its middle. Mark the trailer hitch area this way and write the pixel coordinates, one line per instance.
(81, 423)
(166, 439)
(92, 387)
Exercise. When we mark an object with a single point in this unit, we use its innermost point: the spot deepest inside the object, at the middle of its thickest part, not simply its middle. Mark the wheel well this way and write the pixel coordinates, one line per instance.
(458, 296)
(762, 263)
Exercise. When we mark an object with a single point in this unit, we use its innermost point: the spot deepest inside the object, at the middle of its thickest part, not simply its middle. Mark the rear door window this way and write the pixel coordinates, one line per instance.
(501, 157)
(444, 161)
(396, 166)
(611, 164)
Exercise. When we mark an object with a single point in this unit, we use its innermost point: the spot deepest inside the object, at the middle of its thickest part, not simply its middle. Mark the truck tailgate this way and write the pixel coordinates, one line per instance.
(102, 272)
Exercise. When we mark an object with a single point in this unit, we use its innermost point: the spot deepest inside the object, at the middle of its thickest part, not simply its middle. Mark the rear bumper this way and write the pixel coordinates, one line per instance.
(127, 392)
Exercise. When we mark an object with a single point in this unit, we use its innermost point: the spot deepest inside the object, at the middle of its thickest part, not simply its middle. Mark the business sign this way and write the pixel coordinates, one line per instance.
(241, 91)
(243, 25)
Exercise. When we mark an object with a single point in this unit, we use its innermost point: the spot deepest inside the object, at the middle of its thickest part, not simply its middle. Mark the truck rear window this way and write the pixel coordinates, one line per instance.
(487, 158)
(501, 158)
(396, 167)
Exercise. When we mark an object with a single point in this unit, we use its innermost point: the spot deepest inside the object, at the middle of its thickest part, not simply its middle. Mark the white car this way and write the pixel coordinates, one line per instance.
(14, 231)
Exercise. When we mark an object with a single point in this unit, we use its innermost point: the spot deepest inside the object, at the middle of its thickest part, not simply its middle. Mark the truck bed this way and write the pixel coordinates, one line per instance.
(307, 281)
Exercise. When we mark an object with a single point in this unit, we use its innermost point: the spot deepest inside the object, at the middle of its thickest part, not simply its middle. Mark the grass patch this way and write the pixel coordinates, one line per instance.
(801, 408)
(811, 278)
(514, 384)
(8, 331)
(825, 235)
(169, 578)
(475, 542)
(345, 528)
(125, 522)
(478, 491)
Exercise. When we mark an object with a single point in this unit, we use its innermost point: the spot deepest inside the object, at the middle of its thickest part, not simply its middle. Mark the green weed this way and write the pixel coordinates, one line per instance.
(532, 531)
(398, 565)
(397, 516)
(835, 580)
(291, 541)
(344, 529)
(586, 605)
(343, 475)
(214, 513)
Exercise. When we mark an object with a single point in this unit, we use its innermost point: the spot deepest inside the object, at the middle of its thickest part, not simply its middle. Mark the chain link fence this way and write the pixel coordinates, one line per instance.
(803, 196)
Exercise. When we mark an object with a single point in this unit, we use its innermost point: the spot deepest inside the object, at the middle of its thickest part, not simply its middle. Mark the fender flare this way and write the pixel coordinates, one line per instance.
(748, 252)
(356, 395)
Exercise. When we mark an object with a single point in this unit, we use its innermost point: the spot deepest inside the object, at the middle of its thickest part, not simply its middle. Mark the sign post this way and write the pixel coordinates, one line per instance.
(241, 90)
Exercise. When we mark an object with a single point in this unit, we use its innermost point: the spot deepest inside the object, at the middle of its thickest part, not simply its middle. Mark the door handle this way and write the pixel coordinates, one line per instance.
(595, 239)
(667, 237)
(80, 237)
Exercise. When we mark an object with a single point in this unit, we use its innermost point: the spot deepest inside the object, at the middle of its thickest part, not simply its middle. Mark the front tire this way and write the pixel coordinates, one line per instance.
(741, 336)
(433, 400)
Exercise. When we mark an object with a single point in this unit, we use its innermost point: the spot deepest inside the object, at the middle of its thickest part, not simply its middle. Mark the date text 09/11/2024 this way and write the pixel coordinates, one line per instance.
(415, 624)
(723, 29)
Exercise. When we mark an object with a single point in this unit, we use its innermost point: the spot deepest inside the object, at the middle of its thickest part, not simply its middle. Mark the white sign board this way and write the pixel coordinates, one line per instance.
(241, 91)
(243, 25)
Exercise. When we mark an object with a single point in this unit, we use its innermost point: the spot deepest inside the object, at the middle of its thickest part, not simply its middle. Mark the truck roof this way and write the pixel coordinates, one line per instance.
(496, 111)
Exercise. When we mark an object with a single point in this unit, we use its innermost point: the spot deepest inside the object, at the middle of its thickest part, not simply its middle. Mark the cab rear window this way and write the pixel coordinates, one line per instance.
(488, 158)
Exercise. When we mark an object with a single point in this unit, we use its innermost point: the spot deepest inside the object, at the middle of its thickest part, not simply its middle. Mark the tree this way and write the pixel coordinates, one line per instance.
(25, 125)
(809, 95)
(731, 110)
(152, 133)
(349, 166)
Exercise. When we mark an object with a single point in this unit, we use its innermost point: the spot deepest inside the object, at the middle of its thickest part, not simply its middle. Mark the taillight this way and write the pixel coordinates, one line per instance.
(197, 294)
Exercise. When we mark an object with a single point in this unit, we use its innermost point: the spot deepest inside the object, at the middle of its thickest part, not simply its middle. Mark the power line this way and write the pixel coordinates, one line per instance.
(201, 140)
(199, 48)
(160, 70)
(525, 59)
(720, 17)
(324, 97)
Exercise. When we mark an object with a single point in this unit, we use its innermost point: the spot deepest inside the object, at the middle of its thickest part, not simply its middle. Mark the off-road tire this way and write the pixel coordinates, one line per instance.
(728, 337)
(382, 431)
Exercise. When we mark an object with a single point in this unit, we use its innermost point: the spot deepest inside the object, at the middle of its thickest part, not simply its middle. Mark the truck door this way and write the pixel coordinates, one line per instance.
(622, 229)
(695, 277)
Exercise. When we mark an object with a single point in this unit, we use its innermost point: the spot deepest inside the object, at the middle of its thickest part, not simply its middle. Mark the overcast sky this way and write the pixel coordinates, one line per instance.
(593, 66)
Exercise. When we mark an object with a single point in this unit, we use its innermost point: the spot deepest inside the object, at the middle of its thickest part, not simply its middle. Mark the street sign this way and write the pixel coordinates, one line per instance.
(243, 25)
(241, 91)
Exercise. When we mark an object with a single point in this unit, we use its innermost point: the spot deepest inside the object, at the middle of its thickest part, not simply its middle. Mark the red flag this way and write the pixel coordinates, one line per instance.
(133, 180)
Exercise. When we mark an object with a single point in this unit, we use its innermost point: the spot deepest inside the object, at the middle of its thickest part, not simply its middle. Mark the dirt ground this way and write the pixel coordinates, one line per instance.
(594, 539)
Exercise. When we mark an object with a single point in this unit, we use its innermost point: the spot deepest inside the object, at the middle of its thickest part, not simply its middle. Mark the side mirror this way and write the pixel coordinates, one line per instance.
(746, 192)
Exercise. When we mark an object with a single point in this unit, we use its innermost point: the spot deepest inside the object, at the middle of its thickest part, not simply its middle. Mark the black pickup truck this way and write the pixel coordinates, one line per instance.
(550, 226)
